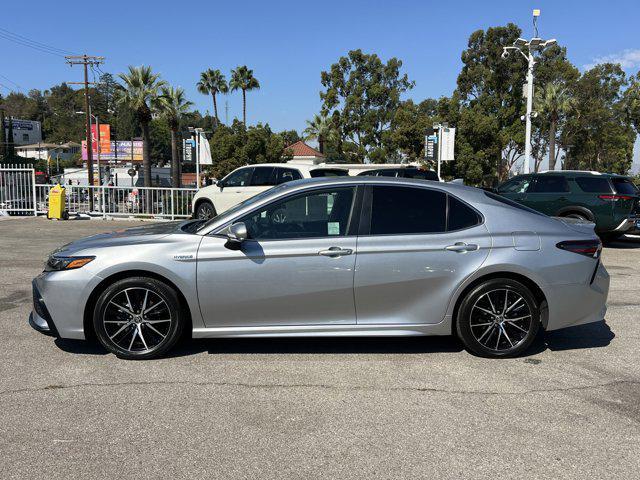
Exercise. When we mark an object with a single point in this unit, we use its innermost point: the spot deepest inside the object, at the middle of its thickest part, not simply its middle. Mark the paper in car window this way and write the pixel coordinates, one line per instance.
(333, 228)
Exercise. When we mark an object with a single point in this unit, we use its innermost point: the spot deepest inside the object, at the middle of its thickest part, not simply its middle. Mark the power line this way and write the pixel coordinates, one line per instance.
(8, 79)
(27, 42)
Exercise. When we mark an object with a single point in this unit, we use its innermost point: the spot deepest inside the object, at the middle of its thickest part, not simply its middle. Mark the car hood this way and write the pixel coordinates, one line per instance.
(127, 236)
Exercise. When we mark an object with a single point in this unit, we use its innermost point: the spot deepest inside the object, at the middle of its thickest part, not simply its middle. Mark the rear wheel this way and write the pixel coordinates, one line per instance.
(578, 216)
(498, 318)
(205, 210)
(138, 318)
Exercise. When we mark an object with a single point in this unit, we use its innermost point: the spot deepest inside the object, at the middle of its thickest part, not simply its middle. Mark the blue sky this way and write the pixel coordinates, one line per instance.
(288, 43)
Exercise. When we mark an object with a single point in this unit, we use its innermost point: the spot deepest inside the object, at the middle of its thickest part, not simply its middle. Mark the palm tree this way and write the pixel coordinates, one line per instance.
(319, 128)
(242, 79)
(172, 105)
(139, 91)
(211, 83)
(554, 101)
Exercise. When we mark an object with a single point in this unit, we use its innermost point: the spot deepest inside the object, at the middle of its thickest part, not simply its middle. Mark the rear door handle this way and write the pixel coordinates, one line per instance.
(335, 252)
(462, 247)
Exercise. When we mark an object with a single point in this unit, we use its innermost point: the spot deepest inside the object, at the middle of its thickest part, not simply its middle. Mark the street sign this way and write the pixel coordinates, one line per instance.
(189, 146)
(447, 144)
(431, 145)
(131, 172)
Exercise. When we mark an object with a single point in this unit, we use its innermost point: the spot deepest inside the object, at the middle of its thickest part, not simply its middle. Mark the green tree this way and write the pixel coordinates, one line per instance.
(362, 94)
(320, 128)
(172, 105)
(211, 83)
(242, 79)
(553, 101)
(139, 91)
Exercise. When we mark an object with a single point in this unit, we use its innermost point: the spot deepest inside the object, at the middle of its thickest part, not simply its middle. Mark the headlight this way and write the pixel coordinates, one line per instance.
(56, 264)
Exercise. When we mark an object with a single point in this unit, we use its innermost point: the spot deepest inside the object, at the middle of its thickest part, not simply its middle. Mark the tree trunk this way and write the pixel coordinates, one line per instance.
(321, 143)
(175, 163)
(216, 122)
(146, 163)
(552, 145)
(244, 107)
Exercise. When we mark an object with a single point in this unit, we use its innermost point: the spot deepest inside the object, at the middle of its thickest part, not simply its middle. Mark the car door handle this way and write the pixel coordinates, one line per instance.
(335, 252)
(462, 247)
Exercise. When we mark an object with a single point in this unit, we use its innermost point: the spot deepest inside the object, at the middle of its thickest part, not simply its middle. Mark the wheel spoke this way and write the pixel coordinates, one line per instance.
(116, 321)
(144, 302)
(484, 310)
(508, 322)
(119, 330)
(158, 321)
(516, 319)
(142, 337)
(154, 329)
(493, 308)
(121, 308)
(126, 294)
(133, 337)
(485, 332)
(513, 305)
(481, 324)
(506, 300)
(506, 336)
(153, 307)
(498, 341)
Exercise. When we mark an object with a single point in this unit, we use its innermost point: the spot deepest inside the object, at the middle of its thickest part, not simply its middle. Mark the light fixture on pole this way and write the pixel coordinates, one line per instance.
(527, 48)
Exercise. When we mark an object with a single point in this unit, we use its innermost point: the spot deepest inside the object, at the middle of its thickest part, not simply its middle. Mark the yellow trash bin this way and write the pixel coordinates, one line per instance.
(57, 199)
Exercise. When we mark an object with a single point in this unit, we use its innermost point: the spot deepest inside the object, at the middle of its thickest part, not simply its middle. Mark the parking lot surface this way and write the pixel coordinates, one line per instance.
(334, 408)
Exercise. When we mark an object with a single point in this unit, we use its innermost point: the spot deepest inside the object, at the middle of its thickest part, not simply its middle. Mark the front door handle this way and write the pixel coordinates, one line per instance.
(462, 247)
(335, 252)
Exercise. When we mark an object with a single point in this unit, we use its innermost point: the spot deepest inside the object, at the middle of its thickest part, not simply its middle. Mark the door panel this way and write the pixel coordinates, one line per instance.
(411, 278)
(277, 282)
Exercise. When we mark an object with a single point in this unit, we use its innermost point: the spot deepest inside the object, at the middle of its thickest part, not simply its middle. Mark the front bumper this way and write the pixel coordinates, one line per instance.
(40, 319)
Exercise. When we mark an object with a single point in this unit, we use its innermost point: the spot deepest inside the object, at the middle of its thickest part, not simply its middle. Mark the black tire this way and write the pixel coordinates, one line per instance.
(579, 216)
(124, 334)
(478, 328)
(205, 210)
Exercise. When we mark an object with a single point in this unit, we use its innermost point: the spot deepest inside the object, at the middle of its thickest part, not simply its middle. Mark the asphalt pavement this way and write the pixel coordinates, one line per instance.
(332, 408)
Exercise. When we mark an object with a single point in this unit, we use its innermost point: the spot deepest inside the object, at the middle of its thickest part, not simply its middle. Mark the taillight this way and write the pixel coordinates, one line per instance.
(614, 198)
(588, 248)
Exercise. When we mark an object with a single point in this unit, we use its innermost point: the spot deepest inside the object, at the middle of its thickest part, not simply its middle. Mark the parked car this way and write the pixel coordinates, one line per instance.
(245, 182)
(610, 201)
(348, 256)
(402, 172)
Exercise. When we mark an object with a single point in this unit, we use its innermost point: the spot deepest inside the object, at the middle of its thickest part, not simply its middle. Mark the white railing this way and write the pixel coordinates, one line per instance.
(17, 190)
(107, 201)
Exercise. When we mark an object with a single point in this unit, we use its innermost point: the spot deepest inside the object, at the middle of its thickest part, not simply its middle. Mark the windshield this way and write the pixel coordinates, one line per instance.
(241, 205)
(624, 186)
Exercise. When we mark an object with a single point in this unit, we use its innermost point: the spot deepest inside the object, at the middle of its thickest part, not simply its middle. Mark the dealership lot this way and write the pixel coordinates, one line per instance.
(334, 408)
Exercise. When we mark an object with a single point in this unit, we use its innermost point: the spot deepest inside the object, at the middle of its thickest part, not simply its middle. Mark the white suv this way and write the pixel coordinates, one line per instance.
(245, 182)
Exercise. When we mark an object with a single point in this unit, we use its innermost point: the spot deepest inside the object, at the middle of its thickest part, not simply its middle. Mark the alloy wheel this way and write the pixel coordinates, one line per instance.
(501, 319)
(137, 320)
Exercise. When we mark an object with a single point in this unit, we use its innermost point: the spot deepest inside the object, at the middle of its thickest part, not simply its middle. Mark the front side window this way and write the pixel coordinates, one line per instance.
(239, 178)
(321, 213)
(551, 184)
(328, 172)
(405, 210)
(262, 177)
(516, 185)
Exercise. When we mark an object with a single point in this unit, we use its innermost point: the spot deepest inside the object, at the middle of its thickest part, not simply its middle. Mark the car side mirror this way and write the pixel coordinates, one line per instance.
(220, 184)
(236, 234)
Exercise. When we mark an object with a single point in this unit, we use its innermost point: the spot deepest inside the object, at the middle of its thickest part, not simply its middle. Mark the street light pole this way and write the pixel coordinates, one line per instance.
(531, 46)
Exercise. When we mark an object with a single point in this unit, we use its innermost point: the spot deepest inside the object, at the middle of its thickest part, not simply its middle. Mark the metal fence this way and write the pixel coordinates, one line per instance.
(20, 195)
(108, 201)
(17, 190)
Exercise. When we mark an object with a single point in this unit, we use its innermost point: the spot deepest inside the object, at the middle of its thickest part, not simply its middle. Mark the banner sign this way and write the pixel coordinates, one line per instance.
(120, 150)
(105, 138)
(431, 146)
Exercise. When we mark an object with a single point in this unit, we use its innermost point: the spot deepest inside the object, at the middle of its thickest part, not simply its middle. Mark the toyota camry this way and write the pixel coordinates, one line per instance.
(341, 256)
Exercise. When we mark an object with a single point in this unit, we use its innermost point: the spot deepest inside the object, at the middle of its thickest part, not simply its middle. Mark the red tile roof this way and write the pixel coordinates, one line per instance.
(301, 149)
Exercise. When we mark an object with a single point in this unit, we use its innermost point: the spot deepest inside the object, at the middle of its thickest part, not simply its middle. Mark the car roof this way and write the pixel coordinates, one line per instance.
(299, 166)
(579, 173)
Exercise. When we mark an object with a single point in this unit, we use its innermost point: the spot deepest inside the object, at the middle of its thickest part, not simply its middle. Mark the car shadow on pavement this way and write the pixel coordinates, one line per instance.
(80, 347)
(626, 242)
(590, 335)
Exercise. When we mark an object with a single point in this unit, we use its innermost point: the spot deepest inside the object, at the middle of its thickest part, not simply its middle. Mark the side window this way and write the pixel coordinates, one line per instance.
(460, 216)
(262, 177)
(550, 184)
(406, 210)
(322, 213)
(421, 174)
(239, 178)
(593, 184)
(515, 185)
(283, 175)
(387, 173)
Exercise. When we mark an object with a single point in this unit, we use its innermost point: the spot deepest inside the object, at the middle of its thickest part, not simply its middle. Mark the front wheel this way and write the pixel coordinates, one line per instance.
(498, 318)
(138, 318)
(205, 210)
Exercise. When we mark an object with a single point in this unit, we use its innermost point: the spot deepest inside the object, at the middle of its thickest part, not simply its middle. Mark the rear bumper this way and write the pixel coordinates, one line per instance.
(626, 225)
(577, 304)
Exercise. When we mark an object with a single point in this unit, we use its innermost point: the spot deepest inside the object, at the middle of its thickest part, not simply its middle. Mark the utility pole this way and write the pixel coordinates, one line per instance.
(87, 60)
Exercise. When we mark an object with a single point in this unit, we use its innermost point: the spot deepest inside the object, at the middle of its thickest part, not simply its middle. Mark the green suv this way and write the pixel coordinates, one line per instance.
(610, 201)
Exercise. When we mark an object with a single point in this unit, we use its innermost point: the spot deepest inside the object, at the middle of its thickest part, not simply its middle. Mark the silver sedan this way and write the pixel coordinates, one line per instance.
(345, 256)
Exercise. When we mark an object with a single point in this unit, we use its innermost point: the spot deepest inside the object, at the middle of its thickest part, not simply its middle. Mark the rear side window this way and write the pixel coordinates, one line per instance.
(262, 177)
(328, 172)
(624, 186)
(403, 210)
(516, 185)
(421, 174)
(461, 216)
(283, 175)
(593, 184)
(550, 184)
